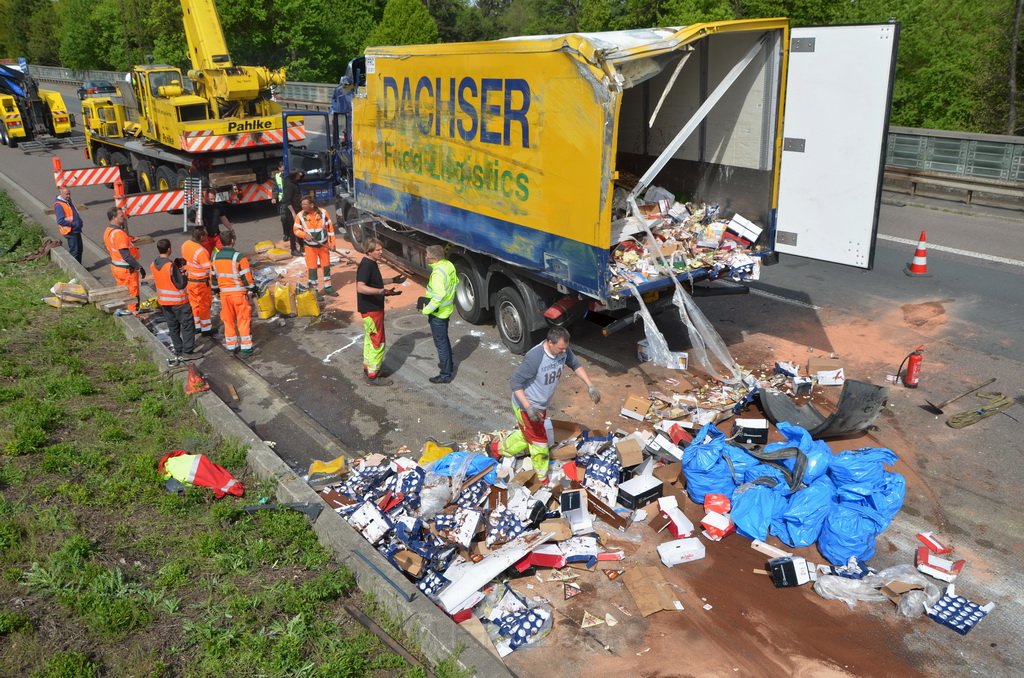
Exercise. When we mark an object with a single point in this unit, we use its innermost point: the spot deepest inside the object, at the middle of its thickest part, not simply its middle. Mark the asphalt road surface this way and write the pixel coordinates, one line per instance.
(304, 391)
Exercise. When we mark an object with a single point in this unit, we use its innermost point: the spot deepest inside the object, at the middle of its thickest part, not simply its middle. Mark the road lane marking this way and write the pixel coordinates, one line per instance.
(954, 250)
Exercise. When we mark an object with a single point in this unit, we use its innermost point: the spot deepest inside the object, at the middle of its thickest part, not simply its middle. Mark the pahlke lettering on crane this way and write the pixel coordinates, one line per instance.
(249, 126)
(488, 110)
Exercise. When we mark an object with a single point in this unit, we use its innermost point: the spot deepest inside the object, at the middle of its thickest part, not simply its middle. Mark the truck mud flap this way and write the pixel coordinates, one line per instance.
(859, 405)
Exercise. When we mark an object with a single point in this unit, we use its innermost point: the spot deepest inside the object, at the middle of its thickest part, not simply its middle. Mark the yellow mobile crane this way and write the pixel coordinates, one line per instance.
(28, 113)
(218, 121)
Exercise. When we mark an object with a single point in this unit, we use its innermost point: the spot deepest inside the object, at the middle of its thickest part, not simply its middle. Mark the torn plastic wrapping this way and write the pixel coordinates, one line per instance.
(912, 603)
(702, 334)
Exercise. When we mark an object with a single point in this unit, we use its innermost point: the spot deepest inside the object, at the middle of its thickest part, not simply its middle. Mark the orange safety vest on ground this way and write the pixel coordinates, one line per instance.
(198, 264)
(315, 229)
(231, 274)
(167, 293)
(117, 239)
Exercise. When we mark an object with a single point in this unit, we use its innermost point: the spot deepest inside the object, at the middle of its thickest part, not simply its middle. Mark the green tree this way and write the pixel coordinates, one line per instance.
(686, 12)
(164, 23)
(78, 46)
(405, 22)
(41, 45)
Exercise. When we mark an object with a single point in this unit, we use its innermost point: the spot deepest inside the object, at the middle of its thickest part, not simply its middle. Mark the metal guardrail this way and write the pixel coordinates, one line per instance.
(962, 155)
(987, 157)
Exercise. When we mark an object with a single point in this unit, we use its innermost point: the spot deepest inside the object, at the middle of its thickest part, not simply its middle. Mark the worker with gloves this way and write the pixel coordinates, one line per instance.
(172, 295)
(124, 255)
(533, 385)
(69, 221)
(438, 306)
(314, 227)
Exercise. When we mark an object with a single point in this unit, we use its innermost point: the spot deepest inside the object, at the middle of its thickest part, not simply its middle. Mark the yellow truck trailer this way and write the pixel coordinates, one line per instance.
(511, 150)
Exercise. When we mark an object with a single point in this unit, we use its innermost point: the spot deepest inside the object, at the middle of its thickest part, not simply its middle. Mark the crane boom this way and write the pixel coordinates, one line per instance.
(206, 45)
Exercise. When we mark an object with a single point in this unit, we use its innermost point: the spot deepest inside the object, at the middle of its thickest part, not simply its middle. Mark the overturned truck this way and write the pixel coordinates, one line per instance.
(511, 152)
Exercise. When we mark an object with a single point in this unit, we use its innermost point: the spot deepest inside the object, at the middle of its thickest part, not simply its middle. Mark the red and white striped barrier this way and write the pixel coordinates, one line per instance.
(254, 192)
(148, 203)
(205, 141)
(90, 176)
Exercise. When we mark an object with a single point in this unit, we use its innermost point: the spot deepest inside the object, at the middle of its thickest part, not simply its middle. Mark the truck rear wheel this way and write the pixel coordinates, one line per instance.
(469, 295)
(3, 134)
(101, 156)
(146, 176)
(510, 315)
(166, 178)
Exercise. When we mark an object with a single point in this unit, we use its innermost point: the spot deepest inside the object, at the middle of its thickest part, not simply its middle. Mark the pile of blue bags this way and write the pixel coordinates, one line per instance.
(799, 491)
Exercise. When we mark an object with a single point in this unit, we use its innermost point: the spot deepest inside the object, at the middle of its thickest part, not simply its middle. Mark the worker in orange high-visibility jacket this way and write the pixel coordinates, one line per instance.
(316, 230)
(232, 277)
(69, 221)
(170, 282)
(197, 268)
(124, 255)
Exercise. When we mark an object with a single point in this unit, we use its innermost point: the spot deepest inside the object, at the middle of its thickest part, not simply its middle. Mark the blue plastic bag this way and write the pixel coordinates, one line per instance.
(800, 523)
(753, 509)
(888, 496)
(818, 453)
(740, 460)
(467, 463)
(850, 530)
(863, 467)
(705, 469)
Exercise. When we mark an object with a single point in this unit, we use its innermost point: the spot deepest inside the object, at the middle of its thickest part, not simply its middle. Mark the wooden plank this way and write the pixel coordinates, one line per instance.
(233, 392)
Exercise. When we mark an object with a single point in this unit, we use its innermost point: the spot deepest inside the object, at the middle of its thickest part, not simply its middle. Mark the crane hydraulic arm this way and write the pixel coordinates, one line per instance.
(216, 77)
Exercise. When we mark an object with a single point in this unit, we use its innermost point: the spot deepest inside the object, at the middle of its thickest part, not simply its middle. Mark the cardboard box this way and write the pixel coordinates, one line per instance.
(635, 407)
(650, 591)
(934, 544)
(673, 482)
(638, 492)
(801, 386)
(717, 525)
(747, 231)
(826, 371)
(940, 568)
(791, 571)
(751, 431)
(681, 551)
(680, 359)
(410, 561)
(894, 590)
(631, 451)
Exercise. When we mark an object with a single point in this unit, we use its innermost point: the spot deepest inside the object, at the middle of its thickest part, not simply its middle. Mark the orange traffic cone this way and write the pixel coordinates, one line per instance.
(919, 267)
(195, 383)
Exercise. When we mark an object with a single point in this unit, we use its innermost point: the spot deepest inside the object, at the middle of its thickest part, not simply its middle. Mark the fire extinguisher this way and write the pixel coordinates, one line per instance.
(912, 377)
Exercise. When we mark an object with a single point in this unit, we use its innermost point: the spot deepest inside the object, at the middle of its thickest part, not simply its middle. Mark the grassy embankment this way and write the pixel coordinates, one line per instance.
(105, 573)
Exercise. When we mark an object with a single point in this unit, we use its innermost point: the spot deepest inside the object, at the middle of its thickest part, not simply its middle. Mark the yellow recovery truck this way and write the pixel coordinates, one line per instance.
(28, 113)
(520, 154)
(217, 122)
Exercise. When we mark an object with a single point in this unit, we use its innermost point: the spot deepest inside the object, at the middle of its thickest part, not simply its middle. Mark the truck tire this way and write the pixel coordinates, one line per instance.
(182, 174)
(146, 176)
(166, 178)
(101, 157)
(3, 135)
(510, 315)
(469, 295)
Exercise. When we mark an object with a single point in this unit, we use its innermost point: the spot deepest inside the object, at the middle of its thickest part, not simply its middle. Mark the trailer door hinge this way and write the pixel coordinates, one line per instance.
(801, 45)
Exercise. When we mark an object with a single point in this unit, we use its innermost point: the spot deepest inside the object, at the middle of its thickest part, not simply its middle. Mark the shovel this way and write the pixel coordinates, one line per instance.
(937, 409)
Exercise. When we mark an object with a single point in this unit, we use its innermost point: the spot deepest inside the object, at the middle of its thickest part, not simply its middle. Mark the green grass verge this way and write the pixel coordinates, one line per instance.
(105, 573)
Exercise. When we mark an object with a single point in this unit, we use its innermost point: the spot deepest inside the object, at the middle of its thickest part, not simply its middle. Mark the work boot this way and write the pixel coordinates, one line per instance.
(378, 381)
(296, 253)
(174, 362)
(329, 291)
(439, 379)
(246, 352)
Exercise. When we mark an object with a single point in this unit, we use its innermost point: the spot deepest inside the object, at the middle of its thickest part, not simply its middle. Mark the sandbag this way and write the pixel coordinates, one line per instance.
(306, 304)
(850, 530)
(284, 299)
(705, 469)
(265, 303)
(818, 453)
(754, 506)
(801, 521)
(864, 467)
